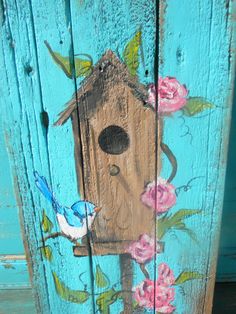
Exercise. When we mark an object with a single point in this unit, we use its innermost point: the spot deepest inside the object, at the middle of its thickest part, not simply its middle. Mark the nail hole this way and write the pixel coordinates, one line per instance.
(29, 70)
(146, 72)
(45, 119)
(114, 170)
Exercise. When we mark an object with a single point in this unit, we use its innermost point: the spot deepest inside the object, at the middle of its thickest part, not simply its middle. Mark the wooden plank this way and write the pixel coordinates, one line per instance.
(107, 103)
(30, 104)
(10, 237)
(198, 50)
(13, 272)
(60, 143)
(192, 63)
(15, 72)
(226, 268)
(17, 301)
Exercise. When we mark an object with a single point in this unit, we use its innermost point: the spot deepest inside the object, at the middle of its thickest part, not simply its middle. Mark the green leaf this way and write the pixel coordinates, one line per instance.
(196, 105)
(188, 275)
(183, 214)
(82, 67)
(47, 252)
(130, 54)
(75, 296)
(46, 223)
(166, 222)
(100, 278)
(105, 299)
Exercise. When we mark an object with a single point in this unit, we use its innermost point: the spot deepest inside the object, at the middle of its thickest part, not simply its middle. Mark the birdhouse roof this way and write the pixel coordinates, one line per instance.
(109, 65)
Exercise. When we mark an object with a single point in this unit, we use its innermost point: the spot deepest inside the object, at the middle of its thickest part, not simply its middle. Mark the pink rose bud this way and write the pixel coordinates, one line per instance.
(171, 95)
(143, 250)
(165, 275)
(159, 195)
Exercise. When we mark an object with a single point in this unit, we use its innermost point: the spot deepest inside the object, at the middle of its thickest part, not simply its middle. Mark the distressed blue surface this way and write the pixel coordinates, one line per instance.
(113, 24)
(52, 151)
(189, 52)
(226, 269)
(17, 301)
(14, 274)
(10, 235)
(195, 49)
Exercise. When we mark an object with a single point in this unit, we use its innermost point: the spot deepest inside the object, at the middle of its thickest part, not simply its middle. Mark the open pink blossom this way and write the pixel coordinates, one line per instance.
(143, 250)
(171, 95)
(159, 195)
(144, 296)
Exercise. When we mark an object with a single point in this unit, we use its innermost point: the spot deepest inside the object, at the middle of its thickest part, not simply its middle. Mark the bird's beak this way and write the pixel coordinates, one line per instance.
(97, 209)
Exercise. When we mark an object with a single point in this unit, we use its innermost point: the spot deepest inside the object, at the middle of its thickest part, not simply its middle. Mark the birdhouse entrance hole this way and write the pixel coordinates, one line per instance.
(114, 140)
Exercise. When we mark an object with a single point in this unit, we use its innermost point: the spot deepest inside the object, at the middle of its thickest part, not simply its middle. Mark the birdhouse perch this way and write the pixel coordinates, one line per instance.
(114, 135)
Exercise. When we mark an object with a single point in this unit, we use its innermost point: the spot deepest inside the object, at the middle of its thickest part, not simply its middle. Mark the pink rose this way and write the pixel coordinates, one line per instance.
(144, 296)
(171, 95)
(165, 275)
(164, 193)
(143, 250)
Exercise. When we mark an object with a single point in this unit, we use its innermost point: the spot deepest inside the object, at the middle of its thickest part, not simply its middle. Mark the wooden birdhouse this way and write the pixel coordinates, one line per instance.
(114, 135)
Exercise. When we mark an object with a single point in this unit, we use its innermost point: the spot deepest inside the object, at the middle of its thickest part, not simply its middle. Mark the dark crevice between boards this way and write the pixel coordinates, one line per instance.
(157, 135)
(30, 71)
(2, 12)
(45, 120)
(77, 116)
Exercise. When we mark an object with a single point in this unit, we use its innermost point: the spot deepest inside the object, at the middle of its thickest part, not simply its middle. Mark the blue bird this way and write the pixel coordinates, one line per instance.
(74, 221)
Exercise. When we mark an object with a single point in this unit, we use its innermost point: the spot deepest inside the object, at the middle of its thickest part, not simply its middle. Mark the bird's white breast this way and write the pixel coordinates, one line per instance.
(75, 232)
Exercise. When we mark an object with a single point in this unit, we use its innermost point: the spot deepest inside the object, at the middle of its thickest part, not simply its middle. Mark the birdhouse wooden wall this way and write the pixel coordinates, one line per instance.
(167, 91)
(119, 150)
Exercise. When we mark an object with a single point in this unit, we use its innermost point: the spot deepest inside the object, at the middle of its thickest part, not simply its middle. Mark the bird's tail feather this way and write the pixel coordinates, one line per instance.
(43, 187)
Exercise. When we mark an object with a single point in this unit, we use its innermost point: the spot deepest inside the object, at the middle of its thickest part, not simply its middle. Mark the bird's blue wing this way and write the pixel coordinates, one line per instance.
(43, 187)
(72, 219)
(80, 208)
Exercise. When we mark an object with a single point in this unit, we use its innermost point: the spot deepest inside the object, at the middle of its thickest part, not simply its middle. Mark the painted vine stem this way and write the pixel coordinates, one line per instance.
(172, 97)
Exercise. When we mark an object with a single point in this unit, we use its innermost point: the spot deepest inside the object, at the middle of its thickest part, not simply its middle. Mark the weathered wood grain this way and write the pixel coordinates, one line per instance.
(30, 74)
(17, 301)
(226, 268)
(110, 102)
(13, 272)
(97, 110)
(10, 226)
(198, 47)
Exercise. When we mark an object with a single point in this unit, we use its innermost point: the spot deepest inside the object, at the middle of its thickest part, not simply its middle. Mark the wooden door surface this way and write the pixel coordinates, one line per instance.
(102, 147)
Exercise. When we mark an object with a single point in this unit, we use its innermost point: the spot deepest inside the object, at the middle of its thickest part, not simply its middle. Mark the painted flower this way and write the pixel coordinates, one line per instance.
(143, 250)
(159, 195)
(171, 95)
(144, 296)
(165, 275)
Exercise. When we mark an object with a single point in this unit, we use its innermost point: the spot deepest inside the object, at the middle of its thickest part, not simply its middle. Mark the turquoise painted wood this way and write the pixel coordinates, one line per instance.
(16, 301)
(10, 227)
(226, 261)
(14, 273)
(192, 42)
(13, 266)
(199, 55)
